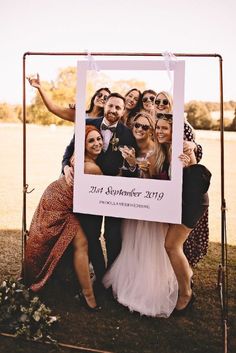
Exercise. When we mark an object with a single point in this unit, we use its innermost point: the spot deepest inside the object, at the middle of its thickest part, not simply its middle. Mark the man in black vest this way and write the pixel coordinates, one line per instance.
(110, 161)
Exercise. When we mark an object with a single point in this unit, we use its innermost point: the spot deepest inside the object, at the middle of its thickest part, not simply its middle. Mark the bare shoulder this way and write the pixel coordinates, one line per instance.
(92, 168)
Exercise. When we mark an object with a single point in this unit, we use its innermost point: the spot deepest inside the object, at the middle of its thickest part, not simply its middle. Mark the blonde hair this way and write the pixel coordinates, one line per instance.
(170, 99)
(170, 109)
(145, 115)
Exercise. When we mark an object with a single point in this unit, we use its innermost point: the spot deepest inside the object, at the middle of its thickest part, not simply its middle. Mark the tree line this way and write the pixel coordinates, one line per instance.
(62, 91)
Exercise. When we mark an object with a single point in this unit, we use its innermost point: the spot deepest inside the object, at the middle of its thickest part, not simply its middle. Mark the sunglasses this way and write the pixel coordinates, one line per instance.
(164, 115)
(92, 140)
(144, 127)
(161, 101)
(104, 96)
(151, 98)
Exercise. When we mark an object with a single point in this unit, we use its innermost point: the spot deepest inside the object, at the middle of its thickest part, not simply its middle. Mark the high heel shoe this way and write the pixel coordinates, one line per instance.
(87, 306)
(180, 312)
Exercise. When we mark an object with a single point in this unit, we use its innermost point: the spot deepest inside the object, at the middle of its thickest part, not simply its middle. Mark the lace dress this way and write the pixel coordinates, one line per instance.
(142, 277)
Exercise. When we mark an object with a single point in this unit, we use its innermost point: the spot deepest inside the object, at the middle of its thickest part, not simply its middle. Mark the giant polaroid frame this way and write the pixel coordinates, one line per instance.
(146, 199)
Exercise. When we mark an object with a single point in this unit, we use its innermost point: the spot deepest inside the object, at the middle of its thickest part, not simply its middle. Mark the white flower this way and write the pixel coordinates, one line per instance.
(52, 319)
(36, 316)
(23, 317)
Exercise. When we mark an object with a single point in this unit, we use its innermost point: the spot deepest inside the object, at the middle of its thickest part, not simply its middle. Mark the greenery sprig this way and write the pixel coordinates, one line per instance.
(23, 314)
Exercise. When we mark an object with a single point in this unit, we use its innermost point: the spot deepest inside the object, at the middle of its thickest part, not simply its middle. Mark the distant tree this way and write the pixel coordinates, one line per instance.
(212, 106)
(232, 104)
(64, 87)
(233, 124)
(18, 112)
(123, 86)
(7, 113)
(198, 115)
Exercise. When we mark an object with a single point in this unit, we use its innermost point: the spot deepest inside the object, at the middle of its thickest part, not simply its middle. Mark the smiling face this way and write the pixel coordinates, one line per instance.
(163, 131)
(93, 144)
(142, 129)
(162, 104)
(114, 110)
(131, 99)
(148, 101)
(101, 98)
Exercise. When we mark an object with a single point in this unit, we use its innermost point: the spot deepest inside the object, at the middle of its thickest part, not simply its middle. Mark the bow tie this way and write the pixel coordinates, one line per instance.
(105, 127)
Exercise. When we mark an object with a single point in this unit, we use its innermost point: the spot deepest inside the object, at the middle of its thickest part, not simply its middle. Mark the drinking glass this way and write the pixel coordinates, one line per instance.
(121, 148)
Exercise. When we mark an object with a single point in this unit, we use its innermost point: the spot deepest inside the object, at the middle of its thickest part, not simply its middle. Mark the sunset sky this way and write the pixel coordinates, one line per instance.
(184, 26)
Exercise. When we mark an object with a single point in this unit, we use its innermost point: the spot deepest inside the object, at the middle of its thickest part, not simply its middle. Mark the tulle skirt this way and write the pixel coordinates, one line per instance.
(142, 277)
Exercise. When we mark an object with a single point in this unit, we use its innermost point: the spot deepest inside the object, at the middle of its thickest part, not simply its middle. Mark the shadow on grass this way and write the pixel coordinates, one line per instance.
(115, 329)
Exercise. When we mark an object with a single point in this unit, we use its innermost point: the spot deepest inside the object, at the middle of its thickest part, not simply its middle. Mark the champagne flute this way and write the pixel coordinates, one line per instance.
(121, 148)
(143, 163)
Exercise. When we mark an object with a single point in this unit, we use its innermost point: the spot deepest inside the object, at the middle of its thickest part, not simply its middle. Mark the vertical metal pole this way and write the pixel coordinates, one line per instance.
(24, 230)
(222, 161)
(224, 280)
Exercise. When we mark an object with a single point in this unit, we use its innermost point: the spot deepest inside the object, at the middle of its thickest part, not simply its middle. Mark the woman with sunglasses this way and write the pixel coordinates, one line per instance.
(194, 205)
(142, 277)
(164, 104)
(95, 110)
(196, 245)
(147, 102)
(132, 106)
(55, 228)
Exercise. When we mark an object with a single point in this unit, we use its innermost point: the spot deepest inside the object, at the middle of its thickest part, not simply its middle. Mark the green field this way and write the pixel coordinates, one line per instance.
(45, 147)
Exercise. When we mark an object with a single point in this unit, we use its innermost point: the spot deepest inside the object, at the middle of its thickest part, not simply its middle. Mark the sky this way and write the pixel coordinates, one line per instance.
(175, 26)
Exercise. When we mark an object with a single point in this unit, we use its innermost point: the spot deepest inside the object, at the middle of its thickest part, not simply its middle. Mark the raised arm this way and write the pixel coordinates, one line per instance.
(63, 113)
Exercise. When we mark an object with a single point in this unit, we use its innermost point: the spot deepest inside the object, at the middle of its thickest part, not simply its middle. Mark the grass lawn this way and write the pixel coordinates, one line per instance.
(115, 329)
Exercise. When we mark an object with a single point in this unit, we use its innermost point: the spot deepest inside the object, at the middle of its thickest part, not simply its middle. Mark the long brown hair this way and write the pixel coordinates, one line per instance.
(162, 150)
(101, 112)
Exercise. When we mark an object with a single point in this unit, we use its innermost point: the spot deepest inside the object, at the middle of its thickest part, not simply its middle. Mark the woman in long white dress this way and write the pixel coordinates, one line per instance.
(142, 277)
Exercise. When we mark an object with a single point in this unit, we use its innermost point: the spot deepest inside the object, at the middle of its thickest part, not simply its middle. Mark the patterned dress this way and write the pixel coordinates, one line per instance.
(195, 247)
(52, 229)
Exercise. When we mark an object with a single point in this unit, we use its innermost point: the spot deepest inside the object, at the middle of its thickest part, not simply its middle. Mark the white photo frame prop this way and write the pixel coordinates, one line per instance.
(125, 197)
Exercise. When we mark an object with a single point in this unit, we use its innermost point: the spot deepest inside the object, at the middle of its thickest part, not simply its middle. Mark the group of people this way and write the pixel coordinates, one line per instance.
(148, 265)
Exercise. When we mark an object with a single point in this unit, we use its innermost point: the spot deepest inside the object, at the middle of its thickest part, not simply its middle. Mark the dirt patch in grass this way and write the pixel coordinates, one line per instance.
(115, 329)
